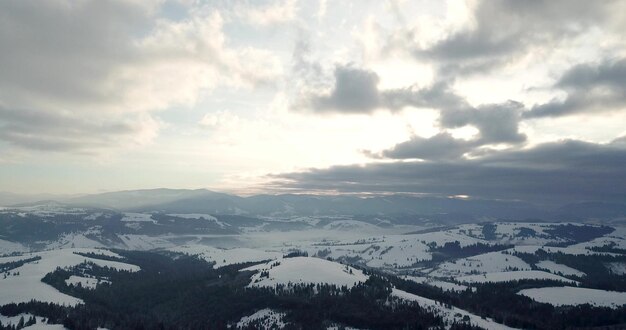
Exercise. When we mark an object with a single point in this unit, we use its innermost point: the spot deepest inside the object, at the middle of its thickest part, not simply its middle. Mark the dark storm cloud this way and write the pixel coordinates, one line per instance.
(355, 91)
(507, 29)
(590, 88)
(440, 146)
(557, 172)
(45, 130)
(497, 123)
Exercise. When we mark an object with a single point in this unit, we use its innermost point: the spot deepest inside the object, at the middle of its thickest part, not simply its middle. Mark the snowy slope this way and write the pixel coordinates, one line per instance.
(483, 263)
(26, 285)
(306, 270)
(555, 268)
(449, 314)
(567, 295)
(85, 282)
(512, 276)
(7, 247)
(138, 217)
(224, 257)
(267, 318)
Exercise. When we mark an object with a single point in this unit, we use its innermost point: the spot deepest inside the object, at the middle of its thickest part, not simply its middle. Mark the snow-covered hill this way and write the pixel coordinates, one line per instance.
(305, 270)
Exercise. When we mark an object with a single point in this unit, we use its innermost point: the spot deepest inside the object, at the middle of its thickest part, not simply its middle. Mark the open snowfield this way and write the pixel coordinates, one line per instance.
(85, 282)
(26, 285)
(225, 257)
(512, 276)
(144, 242)
(305, 270)
(73, 240)
(7, 247)
(449, 314)
(138, 217)
(555, 268)
(483, 263)
(42, 326)
(568, 296)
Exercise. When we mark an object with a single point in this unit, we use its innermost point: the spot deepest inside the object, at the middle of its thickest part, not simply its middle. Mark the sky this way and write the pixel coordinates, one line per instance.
(503, 99)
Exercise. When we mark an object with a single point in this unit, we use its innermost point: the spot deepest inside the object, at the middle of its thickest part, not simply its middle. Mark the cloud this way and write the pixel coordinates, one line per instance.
(66, 131)
(438, 147)
(502, 31)
(497, 123)
(95, 66)
(557, 172)
(597, 87)
(275, 13)
(355, 91)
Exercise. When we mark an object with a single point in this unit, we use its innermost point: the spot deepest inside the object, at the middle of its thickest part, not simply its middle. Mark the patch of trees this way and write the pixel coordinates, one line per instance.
(576, 233)
(610, 248)
(99, 256)
(296, 253)
(489, 231)
(8, 266)
(598, 276)
(501, 302)
(455, 250)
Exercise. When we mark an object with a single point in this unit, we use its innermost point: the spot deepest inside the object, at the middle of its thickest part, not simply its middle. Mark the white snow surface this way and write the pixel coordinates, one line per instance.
(7, 247)
(449, 314)
(144, 242)
(14, 320)
(618, 268)
(268, 318)
(306, 270)
(138, 217)
(555, 268)
(512, 276)
(43, 326)
(568, 296)
(28, 286)
(85, 282)
(225, 257)
(483, 263)
(444, 285)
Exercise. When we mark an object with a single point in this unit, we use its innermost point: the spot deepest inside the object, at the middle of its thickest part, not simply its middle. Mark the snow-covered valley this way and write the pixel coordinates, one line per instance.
(85, 249)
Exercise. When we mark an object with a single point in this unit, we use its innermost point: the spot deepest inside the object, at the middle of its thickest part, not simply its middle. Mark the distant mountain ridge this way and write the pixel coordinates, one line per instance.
(211, 202)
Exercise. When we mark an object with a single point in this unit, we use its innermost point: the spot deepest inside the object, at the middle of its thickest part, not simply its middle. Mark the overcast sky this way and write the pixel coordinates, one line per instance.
(516, 100)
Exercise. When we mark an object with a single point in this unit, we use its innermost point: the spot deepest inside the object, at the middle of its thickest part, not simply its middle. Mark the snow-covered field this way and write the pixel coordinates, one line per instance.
(7, 247)
(305, 270)
(484, 263)
(85, 282)
(568, 296)
(24, 283)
